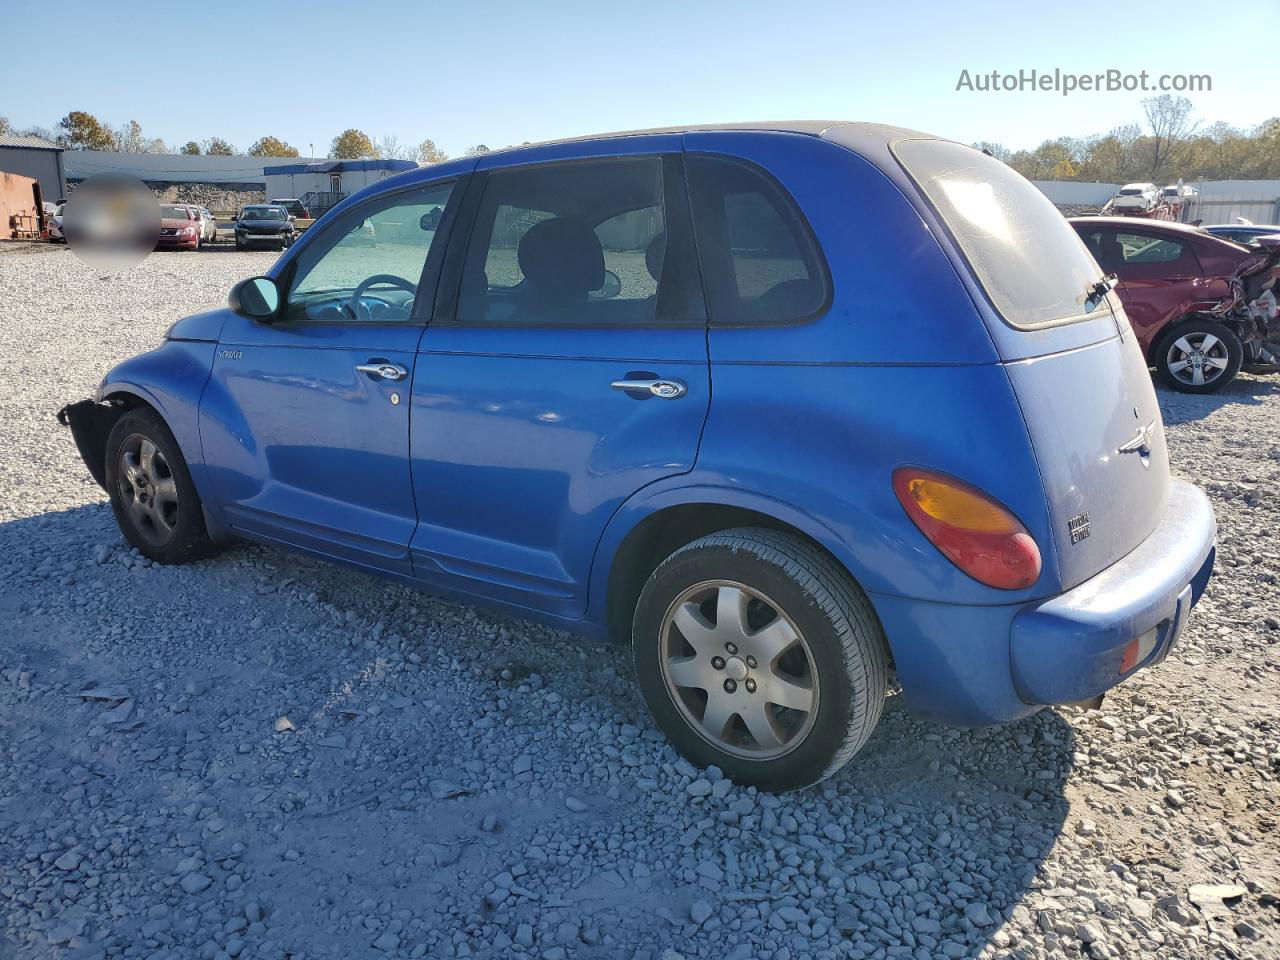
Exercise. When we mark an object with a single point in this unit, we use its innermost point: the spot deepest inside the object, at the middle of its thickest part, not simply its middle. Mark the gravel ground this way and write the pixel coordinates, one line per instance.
(264, 756)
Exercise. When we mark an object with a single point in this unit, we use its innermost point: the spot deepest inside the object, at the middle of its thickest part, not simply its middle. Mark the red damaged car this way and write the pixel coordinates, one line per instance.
(1201, 306)
(179, 228)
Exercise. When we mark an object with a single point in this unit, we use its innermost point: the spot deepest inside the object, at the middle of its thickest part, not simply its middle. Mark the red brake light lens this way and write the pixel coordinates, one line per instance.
(969, 528)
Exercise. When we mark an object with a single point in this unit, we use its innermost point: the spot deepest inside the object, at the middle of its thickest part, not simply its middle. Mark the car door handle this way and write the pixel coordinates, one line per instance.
(666, 389)
(383, 370)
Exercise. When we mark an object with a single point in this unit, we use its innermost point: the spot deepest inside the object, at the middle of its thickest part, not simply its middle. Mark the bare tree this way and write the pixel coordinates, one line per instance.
(1170, 120)
(390, 148)
(129, 138)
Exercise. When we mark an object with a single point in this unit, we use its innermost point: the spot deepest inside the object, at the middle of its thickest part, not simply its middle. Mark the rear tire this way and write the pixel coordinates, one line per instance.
(794, 627)
(1198, 350)
(152, 496)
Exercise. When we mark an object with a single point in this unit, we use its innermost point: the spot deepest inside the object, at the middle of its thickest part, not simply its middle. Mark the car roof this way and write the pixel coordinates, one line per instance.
(1143, 222)
(813, 128)
(872, 141)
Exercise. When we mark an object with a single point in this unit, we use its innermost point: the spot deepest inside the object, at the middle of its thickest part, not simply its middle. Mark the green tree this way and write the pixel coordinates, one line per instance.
(191, 148)
(428, 152)
(84, 131)
(352, 144)
(217, 147)
(272, 147)
(476, 150)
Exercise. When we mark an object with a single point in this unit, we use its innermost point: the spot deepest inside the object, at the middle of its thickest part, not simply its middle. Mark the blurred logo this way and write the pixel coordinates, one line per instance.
(111, 221)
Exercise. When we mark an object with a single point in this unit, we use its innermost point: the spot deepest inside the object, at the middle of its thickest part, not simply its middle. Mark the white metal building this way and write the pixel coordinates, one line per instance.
(332, 178)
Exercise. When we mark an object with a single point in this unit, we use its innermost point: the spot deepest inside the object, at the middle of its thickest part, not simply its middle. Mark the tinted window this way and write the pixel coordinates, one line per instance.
(1028, 259)
(390, 235)
(580, 242)
(175, 213)
(759, 260)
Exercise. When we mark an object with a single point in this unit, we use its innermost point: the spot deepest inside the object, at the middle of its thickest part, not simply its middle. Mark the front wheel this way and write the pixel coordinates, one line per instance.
(152, 496)
(756, 653)
(1198, 356)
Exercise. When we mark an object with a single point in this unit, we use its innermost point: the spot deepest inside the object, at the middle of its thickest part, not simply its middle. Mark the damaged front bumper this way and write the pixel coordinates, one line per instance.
(90, 423)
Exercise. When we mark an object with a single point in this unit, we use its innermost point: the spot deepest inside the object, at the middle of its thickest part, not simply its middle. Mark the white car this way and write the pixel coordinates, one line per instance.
(1136, 196)
(208, 226)
(55, 225)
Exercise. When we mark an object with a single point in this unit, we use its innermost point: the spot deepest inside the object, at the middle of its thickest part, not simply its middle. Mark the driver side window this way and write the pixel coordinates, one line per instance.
(389, 237)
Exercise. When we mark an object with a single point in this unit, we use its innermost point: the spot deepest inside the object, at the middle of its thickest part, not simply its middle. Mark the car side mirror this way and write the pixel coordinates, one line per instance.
(257, 298)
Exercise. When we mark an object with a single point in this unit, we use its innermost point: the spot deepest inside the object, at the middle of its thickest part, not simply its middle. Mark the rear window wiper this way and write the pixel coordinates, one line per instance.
(1101, 288)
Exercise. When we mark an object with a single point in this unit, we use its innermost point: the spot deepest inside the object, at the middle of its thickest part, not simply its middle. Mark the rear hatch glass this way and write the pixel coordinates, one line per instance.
(1090, 409)
(1032, 266)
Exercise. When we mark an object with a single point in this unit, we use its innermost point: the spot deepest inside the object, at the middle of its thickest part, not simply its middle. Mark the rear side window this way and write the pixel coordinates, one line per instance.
(1034, 268)
(582, 242)
(760, 263)
(1141, 248)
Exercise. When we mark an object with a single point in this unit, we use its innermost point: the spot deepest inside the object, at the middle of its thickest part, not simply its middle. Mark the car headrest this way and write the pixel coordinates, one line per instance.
(653, 254)
(562, 256)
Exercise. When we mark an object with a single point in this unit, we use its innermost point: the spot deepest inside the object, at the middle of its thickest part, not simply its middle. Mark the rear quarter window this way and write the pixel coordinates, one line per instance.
(760, 261)
(1024, 254)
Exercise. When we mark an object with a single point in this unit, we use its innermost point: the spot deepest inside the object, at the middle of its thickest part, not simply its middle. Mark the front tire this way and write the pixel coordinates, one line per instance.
(1198, 356)
(152, 496)
(756, 653)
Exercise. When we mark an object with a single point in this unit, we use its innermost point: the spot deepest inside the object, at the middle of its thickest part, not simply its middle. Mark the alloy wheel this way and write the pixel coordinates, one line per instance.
(738, 670)
(148, 489)
(1197, 358)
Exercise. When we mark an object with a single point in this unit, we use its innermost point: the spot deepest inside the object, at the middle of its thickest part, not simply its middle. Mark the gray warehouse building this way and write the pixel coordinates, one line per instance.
(37, 158)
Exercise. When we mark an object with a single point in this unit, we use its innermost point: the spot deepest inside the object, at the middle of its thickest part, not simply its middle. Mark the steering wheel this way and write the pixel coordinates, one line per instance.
(356, 304)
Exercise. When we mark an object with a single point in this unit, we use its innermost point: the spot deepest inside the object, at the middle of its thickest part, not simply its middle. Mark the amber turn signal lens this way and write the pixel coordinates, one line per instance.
(969, 528)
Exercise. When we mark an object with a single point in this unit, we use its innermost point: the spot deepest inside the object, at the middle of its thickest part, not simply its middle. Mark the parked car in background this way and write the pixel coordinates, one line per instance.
(263, 223)
(576, 396)
(1243, 233)
(294, 206)
(179, 228)
(1136, 196)
(208, 224)
(1179, 286)
(55, 224)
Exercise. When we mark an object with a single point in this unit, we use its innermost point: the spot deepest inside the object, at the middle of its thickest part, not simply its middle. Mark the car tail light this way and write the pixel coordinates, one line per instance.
(969, 528)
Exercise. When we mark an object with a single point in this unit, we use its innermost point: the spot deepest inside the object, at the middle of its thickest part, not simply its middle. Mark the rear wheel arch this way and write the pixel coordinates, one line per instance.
(664, 530)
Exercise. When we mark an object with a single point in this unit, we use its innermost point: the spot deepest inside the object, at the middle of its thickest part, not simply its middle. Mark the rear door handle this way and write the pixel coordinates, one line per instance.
(666, 389)
(383, 370)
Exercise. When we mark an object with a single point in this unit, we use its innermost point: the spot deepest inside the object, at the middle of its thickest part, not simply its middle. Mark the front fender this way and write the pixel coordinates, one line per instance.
(171, 379)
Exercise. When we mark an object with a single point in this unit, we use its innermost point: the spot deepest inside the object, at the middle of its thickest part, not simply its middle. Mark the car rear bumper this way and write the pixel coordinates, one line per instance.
(1085, 641)
(979, 665)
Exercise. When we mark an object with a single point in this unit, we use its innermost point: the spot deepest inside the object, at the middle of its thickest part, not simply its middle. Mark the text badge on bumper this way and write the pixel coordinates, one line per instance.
(1085, 641)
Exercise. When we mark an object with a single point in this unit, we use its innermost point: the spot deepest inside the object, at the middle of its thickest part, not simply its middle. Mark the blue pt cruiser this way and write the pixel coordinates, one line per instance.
(784, 406)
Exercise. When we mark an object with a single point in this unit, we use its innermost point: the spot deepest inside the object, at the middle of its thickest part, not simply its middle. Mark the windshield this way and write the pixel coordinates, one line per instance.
(175, 213)
(264, 213)
(1033, 267)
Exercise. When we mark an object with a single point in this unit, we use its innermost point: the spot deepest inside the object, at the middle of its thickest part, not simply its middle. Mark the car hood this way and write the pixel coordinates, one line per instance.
(199, 326)
(175, 222)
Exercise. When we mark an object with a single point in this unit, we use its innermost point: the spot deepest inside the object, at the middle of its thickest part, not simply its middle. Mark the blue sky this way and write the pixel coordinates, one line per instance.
(504, 72)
